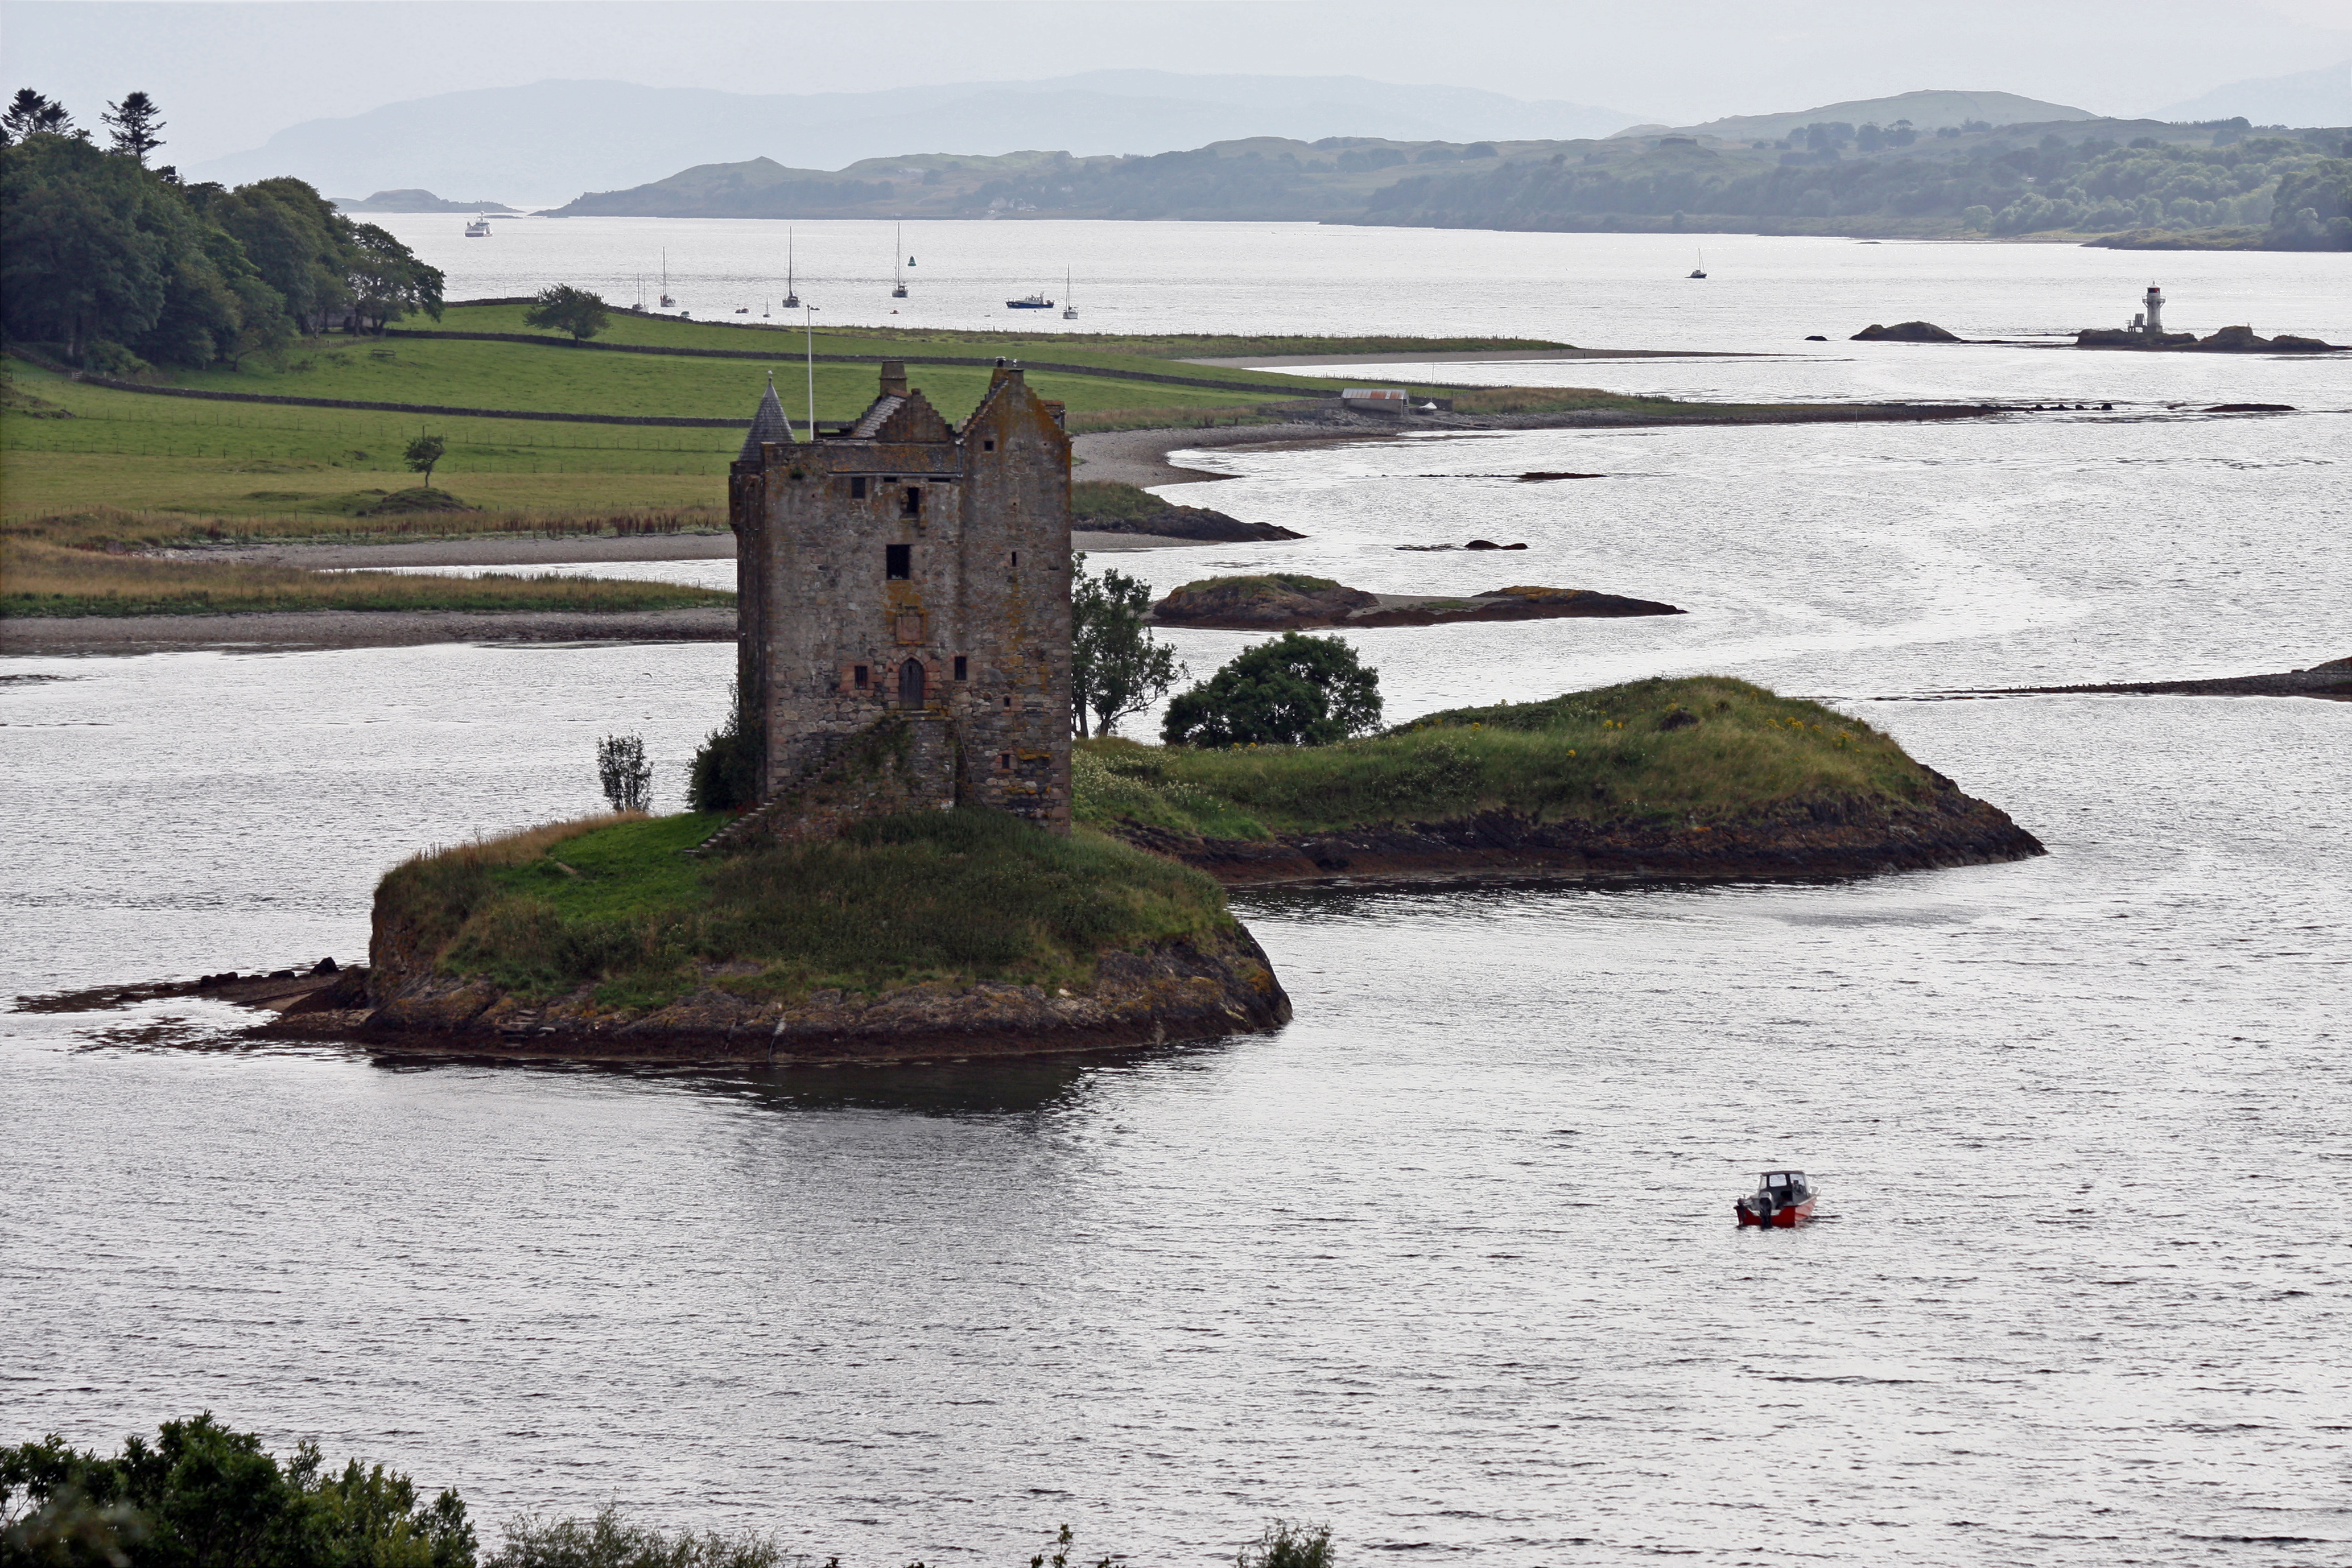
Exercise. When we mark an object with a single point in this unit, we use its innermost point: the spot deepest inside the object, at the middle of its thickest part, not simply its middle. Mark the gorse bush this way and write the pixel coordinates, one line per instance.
(610, 1539)
(1287, 1545)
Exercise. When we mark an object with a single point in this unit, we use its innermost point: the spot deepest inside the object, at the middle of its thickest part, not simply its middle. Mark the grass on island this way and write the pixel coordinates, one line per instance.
(1698, 751)
(38, 578)
(956, 896)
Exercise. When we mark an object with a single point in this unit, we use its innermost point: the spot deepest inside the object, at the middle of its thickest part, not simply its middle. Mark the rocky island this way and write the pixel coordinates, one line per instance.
(1291, 600)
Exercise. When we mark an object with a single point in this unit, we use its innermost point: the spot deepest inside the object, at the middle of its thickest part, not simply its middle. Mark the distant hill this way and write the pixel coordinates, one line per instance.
(2084, 176)
(554, 139)
(413, 202)
(2322, 97)
(1927, 111)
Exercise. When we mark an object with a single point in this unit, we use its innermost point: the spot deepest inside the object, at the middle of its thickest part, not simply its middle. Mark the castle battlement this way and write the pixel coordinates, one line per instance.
(915, 577)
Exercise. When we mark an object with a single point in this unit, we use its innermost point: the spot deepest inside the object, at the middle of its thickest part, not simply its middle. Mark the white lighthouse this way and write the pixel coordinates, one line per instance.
(2154, 303)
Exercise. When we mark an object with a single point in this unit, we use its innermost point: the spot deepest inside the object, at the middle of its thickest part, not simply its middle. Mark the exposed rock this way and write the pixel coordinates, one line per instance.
(1799, 840)
(2332, 679)
(1186, 522)
(1177, 990)
(2252, 408)
(1490, 544)
(1904, 333)
(1287, 603)
(1279, 601)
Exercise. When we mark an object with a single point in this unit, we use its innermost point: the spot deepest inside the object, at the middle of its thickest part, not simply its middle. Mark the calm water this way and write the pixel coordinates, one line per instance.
(1449, 1261)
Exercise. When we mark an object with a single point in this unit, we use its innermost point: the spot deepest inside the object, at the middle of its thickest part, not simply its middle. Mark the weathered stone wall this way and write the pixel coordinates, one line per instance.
(908, 568)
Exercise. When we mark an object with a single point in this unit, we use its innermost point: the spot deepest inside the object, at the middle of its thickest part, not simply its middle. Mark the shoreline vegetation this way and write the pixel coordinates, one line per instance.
(599, 938)
(198, 1491)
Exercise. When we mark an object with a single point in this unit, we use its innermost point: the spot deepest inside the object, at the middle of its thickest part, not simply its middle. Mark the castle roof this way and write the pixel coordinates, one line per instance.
(766, 424)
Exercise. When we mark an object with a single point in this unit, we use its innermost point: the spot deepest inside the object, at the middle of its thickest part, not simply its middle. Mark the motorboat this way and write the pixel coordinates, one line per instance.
(1783, 1198)
(480, 228)
(1034, 302)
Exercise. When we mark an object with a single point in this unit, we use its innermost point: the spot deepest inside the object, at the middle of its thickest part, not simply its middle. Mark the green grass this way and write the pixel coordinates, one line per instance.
(955, 896)
(1264, 586)
(1618, 753)
(38, 578)
(1074, 348)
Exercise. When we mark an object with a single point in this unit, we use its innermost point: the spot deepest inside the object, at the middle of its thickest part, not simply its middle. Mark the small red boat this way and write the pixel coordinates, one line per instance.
(1781, 1197)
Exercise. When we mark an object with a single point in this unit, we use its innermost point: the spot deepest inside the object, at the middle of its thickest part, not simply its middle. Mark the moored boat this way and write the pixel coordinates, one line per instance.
(1782, 1198)
(480, 228)
(1034, 302)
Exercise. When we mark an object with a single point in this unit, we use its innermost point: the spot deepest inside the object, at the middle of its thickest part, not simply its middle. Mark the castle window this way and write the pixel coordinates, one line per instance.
(963, 665)
(988, 446)
(911, 503)
(1004, 762)
(897, 562)
(863, 676)
(1017, 558)
(857, 488)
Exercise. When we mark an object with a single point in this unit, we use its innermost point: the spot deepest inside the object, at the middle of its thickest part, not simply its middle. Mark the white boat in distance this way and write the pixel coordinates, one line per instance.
(480, 228)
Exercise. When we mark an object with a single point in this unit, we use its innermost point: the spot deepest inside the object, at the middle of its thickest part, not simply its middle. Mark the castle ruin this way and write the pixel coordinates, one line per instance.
(903, 609)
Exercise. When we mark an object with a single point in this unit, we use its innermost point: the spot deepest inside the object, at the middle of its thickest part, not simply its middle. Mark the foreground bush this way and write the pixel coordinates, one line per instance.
(201, 1496)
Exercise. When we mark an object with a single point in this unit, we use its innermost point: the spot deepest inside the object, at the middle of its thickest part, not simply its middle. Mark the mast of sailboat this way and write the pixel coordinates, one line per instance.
(666, 299)
(792, 292)
(899, 262)
(1069, 305)
(808, 323)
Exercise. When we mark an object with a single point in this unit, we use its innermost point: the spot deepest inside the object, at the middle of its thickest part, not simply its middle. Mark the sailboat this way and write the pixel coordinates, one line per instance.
(791, 295)
(1069, 306)
(666, 299)
(1700, 270)
(898, 273)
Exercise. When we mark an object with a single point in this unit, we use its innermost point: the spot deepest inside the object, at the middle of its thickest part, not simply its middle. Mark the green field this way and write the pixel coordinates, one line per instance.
(260, 468)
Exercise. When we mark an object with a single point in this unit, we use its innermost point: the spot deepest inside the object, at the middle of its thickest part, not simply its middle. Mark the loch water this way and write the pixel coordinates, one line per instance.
(1450, 1260)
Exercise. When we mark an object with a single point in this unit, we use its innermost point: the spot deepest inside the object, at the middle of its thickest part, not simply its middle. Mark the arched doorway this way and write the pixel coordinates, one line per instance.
(910, 684)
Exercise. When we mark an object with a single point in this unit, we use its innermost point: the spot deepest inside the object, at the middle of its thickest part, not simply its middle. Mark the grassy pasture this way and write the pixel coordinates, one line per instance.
(38, 578)
(1695, 751)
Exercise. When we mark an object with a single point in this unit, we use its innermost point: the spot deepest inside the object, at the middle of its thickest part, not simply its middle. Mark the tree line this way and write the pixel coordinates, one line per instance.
(113, 264)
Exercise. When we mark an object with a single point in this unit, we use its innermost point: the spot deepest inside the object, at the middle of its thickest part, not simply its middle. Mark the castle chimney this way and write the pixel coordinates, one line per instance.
(893, 378)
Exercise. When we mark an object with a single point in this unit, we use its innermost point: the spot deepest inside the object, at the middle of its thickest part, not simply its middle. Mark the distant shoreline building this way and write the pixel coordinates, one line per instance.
(903, 609)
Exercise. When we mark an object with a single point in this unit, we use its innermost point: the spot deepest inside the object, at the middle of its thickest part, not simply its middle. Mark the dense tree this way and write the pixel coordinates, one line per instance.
(134, 123)
(1296, 690)
(110, 260)
(564, 308)
(201, 1496)
(1116, 666)
(387, 281)
(295, 240)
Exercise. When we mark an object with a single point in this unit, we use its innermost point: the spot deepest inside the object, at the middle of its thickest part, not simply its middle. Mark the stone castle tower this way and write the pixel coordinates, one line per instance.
(904, 608)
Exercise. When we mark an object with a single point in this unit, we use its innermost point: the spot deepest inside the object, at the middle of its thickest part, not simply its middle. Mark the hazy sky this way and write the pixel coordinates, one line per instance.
(230, 74)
